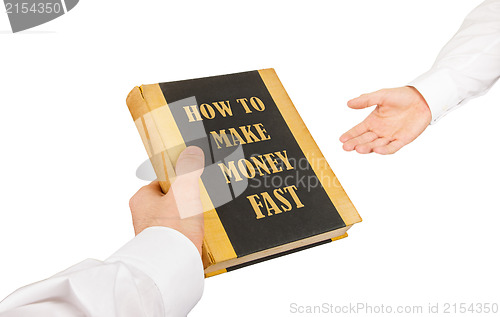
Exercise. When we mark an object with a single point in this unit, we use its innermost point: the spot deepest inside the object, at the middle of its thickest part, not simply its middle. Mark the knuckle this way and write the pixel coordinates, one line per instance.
(136, 198)
(191, 160)
(382, 94)
(132, 202)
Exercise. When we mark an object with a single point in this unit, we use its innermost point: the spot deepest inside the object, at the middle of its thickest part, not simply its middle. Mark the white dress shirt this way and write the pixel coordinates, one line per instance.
(158, 273)
(467, 66)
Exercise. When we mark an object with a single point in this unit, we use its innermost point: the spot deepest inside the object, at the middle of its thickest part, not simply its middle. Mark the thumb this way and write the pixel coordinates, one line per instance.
(190, 163)
(367, 100)
(186, 189)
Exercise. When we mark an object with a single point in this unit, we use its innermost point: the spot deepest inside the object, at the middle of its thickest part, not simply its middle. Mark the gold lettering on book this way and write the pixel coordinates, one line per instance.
(207, 110)
(255, 102)
(264, 201)
(248, 134)
(267, 162)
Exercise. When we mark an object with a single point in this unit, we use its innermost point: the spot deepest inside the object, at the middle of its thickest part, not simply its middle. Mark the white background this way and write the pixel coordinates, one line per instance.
(69, 148)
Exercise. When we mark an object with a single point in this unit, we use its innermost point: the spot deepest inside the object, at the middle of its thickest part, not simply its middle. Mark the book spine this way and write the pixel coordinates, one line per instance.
(148, 130)
(146, 123)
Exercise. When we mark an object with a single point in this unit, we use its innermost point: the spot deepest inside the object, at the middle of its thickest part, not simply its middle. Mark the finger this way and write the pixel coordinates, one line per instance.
(366, 100)
(366, 137)
(190, 163)
(152, 188)
(148, 192)
(368, 147)
(186, 189)
(354, 132)
(390, 148)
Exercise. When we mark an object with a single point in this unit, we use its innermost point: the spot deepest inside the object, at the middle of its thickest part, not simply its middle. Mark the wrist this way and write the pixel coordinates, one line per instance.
(421, 104)
(438, 90)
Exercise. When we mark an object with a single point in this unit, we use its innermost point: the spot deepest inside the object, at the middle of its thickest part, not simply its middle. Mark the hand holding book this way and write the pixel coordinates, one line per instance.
(266, 189)
(150, 207)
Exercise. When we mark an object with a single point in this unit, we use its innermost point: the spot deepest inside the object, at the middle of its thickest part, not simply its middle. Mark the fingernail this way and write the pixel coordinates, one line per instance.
(193, 150)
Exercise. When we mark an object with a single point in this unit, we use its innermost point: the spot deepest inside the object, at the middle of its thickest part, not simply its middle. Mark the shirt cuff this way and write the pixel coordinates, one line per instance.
(172, 261)
(439, 91)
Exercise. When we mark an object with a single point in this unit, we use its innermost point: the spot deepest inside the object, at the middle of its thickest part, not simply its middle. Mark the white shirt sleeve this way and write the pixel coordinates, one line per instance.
(158, 273)
(467, 66)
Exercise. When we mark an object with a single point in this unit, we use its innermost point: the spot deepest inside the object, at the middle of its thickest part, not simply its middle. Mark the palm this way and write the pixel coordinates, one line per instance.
(400, 116)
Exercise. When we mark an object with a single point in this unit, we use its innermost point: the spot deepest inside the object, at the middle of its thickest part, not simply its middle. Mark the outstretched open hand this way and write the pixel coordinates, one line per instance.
(401, 115)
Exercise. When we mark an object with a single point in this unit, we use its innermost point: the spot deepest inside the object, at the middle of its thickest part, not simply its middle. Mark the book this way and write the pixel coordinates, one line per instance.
(266, 189)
